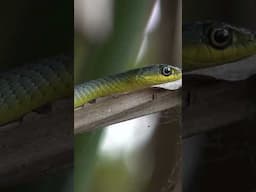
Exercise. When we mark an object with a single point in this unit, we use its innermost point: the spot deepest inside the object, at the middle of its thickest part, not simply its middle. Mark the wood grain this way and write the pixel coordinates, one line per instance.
(210, 104)
(123, 107)
(39, 144)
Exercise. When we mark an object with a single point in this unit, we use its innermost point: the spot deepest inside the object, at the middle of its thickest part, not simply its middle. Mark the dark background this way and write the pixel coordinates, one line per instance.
(240, 13)
(34, 29)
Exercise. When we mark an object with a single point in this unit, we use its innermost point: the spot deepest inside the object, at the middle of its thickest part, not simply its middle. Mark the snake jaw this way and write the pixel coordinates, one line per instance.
(174, 85)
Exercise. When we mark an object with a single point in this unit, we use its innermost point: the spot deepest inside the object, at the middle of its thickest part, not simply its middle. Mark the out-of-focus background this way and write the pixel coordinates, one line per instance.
(141, 154)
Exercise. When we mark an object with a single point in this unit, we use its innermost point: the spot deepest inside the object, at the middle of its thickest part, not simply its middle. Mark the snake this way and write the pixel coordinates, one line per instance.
(28, 87)
(205, 44)
(125, 82)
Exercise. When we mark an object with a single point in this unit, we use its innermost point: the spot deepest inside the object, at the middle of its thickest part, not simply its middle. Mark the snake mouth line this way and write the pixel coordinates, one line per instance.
(174, 85)
(233, 71)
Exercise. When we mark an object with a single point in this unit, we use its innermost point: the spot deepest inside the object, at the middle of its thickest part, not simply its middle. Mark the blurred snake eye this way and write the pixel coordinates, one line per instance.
(166, 71)
(220, 38)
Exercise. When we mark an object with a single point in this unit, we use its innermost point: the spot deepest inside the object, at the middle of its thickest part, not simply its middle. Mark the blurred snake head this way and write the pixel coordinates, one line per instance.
(211, 43)
(159, 74)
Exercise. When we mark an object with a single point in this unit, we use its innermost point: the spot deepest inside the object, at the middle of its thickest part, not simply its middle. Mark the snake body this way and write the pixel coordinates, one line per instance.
(28, 87)
(125, 82)
(204, 44)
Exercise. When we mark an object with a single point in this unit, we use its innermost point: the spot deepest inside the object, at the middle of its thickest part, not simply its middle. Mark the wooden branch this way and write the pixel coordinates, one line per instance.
(209, 104)
(37, 145)
(42, 143)
(112, 110)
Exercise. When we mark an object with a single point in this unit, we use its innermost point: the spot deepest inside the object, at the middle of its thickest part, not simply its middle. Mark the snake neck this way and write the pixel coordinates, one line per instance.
(26, 88)
(93, 89)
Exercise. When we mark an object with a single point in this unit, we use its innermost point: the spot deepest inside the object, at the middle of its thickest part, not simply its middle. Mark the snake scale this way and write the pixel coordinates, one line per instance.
(28, 87)
(204, 44)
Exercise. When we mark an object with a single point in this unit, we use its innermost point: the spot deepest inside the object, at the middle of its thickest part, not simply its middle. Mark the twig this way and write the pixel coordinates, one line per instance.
(112, 110)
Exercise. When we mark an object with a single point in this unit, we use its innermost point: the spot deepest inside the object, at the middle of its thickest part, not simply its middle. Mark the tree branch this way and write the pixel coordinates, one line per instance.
(211, 104)
(39, 144)
(110, 110)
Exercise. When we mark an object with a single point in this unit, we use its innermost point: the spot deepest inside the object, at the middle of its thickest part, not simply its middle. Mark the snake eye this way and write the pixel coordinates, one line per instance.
(220, 38)
(166, 71)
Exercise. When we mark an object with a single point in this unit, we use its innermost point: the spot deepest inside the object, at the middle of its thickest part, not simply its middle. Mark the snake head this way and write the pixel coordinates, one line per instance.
(159, 74)
(212, 43)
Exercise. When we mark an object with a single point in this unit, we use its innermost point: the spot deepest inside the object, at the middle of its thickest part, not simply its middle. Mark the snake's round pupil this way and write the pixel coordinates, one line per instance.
(167, 71)
(220, 37)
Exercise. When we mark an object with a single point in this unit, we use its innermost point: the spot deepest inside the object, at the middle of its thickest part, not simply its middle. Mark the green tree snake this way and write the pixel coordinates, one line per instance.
(204, 44)
(125, 82)
(28, 87)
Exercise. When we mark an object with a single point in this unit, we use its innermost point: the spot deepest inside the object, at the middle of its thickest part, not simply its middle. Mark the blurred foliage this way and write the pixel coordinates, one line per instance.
(95, 172)
(93, 60)
(123, 180)
(85, 148)
(119, 51)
